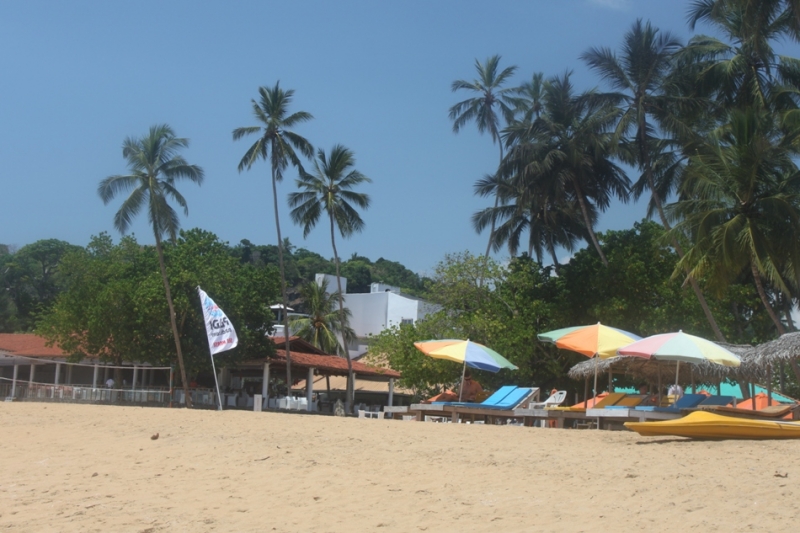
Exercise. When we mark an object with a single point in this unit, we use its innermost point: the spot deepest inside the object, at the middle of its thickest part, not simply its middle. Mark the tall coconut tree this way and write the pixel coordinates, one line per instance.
(491, 104)
(638, 78)
(746, 71)
(740, 204)
(323, 325)
(329, 190)
(155, 167)
(568, 150)
(279, 145)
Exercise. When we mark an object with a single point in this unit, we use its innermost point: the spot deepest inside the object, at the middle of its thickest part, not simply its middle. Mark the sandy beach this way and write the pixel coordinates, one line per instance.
(97, 468)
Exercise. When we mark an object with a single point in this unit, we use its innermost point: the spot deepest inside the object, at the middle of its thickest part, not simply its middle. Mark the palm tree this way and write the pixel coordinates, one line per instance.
(639, 76)
(155, 167)
(526, 207)
(277, 144)
(747, 71)
(740, 203)
(567, 152)
(491, 101)
(330, 190)
(323, 323)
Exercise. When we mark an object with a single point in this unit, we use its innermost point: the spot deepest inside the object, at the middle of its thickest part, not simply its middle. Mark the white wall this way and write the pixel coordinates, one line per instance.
(368, 312)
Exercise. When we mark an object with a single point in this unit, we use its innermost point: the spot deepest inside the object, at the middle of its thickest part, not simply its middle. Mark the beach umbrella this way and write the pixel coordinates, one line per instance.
(468, 353)
(596, 340)
(680, 347)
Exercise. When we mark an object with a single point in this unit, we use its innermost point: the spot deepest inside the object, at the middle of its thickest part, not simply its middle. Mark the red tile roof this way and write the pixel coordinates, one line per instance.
(29, 345)
(333, 364)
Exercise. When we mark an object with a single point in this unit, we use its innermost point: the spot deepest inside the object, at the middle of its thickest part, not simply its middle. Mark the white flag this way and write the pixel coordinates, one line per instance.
(221, 335)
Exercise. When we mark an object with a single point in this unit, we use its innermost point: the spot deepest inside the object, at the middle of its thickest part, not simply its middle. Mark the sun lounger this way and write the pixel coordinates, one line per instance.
(686, 401)
(610, 399)
(421, 410)
(502, 409)
(630, 400)
(498, 396)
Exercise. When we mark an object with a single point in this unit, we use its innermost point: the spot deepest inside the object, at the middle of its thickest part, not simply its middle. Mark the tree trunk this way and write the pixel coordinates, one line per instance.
(588, 223)
(552, 248)
(284, 298)
(778, 324)
(350, 391)
(645, 155)
(496, 202)
(174, 324)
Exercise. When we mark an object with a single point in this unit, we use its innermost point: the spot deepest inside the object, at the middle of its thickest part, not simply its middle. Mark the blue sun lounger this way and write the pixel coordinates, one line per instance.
(498, 396)
(687, 401)
(716, 401)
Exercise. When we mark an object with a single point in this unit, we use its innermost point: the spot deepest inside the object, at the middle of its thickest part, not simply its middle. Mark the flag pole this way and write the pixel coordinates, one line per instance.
(216, 382)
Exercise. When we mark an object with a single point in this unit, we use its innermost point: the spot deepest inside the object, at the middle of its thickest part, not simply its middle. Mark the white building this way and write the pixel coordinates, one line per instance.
(383, 307)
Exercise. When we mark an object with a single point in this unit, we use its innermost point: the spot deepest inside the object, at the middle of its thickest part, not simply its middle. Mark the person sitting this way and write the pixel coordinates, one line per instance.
(676, 391)
(469, 388)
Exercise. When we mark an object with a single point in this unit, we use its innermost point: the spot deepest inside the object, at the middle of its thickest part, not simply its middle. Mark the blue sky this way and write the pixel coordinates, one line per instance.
(78, 77)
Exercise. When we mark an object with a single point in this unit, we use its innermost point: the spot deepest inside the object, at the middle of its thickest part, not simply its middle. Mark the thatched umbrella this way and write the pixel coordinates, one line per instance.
(652, 371)
(784, 348)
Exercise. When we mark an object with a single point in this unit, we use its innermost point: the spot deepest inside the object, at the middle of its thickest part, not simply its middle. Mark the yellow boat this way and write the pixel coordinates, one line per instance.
(704, 425)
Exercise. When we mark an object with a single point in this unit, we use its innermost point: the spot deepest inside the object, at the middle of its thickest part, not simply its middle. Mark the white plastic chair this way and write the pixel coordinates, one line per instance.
(554, 400)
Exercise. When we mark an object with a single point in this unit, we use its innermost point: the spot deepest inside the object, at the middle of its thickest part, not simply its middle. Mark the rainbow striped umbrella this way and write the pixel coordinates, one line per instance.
(470, 354)
(595, 340)
(680, 346)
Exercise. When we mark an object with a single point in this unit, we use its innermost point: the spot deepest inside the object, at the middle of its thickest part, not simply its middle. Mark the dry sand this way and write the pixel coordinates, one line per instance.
(96, 468)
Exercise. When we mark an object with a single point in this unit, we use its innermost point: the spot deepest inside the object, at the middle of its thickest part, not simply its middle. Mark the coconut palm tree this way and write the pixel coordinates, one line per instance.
(155, 167)
(747, 71)
(323, 323)
(491, 102)
(329, 190)
(740, 204)
(567, 151)
(279, 145)
(638, 77)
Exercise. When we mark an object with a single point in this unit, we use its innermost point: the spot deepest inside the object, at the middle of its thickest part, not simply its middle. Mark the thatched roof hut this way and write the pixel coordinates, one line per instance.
(784, 348)
(652, 370)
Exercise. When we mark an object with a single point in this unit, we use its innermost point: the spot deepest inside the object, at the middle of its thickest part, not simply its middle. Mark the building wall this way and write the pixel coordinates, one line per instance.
(368, 312)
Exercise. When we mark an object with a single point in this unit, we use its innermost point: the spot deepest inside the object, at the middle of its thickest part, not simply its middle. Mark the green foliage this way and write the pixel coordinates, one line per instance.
(425, 375)
(30, 280)
(358, 274)
(114, 304)
(395, 274)
(324, 321)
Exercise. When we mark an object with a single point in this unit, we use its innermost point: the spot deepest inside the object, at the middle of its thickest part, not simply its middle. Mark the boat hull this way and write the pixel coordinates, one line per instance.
(702, 425)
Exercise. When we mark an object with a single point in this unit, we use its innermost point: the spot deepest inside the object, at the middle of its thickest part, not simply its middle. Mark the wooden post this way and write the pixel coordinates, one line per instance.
(309, 388)
(69, 375)
(265, 383)
(31, 375)
(354, 392)
(782, 370)
(769, 384)
(94, 376)
(14, 381)
(328, 384)
(58, 374)
(391, 392)
(133, 381)
(586, 393)
(171, 374)
(659, 384)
